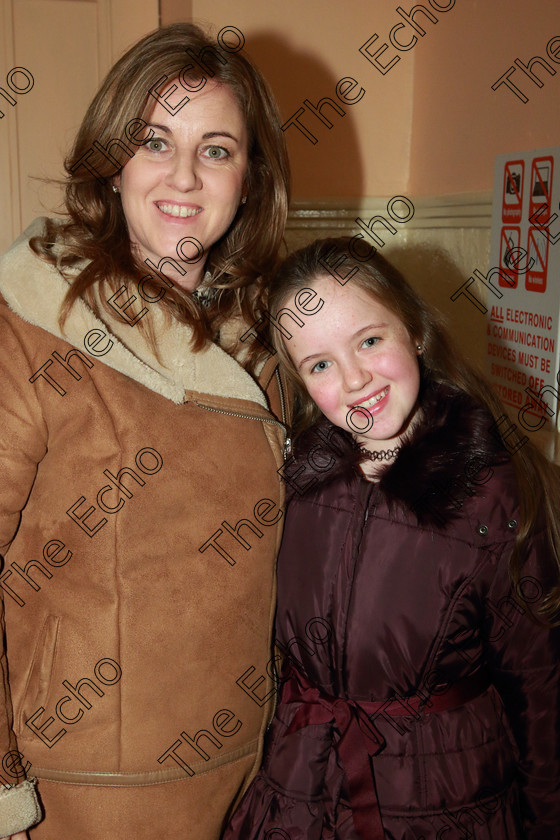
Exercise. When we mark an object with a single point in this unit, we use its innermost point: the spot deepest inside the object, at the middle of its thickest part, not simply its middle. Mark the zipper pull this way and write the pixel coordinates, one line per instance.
(287, 448)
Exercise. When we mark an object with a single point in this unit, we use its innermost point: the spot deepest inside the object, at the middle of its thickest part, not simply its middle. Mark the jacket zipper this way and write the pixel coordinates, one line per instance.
(288, 443)
(350, 572)
(365, 516)
(247, 417)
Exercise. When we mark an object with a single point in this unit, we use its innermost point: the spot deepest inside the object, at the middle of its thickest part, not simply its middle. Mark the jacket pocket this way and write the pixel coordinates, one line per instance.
(39, 680)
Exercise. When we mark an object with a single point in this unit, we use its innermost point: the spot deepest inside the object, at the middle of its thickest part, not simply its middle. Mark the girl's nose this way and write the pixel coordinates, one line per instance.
(355, 376)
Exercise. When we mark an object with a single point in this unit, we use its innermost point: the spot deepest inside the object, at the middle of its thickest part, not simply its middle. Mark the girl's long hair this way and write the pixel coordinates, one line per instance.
(538, 480)
(96, 230)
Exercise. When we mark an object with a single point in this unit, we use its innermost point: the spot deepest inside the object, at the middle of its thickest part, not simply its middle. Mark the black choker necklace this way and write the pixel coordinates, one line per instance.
(382, 455)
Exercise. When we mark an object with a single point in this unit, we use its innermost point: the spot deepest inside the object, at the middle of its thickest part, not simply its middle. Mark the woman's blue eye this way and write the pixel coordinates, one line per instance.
(371, 341)
(319, 367)
(217, 152)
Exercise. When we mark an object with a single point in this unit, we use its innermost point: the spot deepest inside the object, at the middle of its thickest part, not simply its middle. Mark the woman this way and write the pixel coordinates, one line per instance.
(140, 501)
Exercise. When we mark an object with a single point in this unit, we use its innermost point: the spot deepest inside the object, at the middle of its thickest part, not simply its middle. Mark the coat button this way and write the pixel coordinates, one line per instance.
(512, 524)
(483, 530)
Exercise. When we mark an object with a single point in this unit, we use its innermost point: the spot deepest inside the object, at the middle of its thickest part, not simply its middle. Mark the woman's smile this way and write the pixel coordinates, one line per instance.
(182, 211)
(186, 179)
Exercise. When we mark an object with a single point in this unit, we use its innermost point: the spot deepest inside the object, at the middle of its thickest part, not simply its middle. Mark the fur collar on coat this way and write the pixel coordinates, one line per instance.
(34, 290)
(441, 462)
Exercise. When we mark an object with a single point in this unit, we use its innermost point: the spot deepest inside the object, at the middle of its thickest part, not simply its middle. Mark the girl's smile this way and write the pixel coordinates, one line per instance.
(372, 400)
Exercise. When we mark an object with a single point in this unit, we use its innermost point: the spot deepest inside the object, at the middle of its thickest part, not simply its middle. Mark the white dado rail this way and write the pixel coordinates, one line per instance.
(308, 220)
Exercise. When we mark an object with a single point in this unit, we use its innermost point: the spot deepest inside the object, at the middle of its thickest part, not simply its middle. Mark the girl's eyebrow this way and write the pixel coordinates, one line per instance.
(308, 358)
(369, 327)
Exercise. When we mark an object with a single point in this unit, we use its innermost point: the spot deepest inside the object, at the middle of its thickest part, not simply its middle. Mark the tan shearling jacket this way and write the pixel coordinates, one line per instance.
(140, 517)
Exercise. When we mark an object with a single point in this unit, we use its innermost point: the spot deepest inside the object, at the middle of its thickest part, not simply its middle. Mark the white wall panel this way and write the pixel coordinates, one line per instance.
(68, 46)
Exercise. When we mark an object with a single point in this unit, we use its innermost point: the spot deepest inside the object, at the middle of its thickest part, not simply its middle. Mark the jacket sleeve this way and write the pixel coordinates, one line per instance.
(22, 446)
(524, 657)
(19, 808)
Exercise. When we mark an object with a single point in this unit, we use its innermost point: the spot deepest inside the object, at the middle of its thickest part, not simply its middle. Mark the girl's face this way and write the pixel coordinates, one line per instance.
(355, 353)
(187, 180)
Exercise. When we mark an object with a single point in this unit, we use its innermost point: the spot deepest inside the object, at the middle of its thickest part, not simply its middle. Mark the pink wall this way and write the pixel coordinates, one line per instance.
(459, 123)
(304, 49)
(431, 125)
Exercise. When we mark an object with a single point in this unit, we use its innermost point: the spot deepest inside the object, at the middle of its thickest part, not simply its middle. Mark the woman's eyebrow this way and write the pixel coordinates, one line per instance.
(163, 128)
(207, 136)
(210, 134)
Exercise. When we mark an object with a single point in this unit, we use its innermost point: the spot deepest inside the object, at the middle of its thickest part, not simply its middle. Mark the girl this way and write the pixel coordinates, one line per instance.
(418, 582)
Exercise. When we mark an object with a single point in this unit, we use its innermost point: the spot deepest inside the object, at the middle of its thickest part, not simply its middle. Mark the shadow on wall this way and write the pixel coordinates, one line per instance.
(432, 272)
(306, 89)
(322, 139)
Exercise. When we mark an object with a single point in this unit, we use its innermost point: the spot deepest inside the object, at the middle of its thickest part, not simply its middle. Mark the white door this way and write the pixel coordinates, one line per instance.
(64, 49)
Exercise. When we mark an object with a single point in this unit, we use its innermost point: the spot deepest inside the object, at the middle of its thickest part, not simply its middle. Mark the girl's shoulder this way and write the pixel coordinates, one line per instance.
(452, 462)
(455, 453)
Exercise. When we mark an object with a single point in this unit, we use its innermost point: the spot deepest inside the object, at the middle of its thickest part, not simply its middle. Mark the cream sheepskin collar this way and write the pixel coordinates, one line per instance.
(34, 290)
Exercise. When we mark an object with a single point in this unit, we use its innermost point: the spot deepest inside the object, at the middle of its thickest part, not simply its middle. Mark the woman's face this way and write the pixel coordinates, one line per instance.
(187, 180)
(354, 353)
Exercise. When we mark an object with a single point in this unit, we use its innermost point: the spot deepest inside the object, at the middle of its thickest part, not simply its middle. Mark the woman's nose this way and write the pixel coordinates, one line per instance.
(183, 174)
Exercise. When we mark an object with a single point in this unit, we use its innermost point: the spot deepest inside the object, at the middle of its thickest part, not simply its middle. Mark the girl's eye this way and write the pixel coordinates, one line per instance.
(319, 367)
(371, 341)
(216, 152)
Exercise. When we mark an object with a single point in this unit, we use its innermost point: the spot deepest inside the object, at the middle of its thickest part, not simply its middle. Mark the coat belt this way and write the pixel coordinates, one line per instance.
(355, 738)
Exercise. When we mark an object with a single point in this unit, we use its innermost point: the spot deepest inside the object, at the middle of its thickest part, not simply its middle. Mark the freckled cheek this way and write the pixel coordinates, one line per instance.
(327, 397)
(400, 369)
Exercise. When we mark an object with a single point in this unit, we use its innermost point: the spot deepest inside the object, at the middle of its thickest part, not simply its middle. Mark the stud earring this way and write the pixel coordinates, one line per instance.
(244, 200)
(419, 348)
(115, 189)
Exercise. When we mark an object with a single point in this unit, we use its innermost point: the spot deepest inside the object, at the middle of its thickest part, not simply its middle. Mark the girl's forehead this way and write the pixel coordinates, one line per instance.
(348, 295)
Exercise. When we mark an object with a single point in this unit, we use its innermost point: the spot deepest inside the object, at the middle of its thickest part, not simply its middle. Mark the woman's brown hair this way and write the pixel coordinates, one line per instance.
(538, 480)
(97, 231)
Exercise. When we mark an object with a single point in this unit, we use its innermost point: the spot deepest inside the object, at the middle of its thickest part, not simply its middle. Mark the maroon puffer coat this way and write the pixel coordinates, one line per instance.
(405, 644)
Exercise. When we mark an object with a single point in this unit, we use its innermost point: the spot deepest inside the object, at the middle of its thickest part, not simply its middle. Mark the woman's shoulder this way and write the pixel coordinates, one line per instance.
(20, 265)
(30, 286)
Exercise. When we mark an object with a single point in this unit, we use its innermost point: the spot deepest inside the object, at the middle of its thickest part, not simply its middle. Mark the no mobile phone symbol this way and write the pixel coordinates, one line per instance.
(509, 247)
